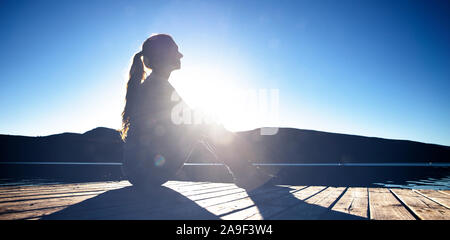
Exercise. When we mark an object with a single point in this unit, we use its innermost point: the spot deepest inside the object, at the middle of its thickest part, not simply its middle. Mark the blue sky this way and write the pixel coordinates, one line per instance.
(372, 68)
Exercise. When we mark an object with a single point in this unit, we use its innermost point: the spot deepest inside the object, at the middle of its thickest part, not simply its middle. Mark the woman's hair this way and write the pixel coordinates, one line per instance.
(133, 86)
(152, 49)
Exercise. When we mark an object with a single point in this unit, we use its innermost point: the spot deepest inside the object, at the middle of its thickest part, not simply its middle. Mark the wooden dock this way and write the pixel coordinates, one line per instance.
(205, 200)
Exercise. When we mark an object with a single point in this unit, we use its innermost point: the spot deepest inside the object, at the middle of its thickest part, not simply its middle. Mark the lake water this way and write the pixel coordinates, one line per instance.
(430, 180)
(429, 183)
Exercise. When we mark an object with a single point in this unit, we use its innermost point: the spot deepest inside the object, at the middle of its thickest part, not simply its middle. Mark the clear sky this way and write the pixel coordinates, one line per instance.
(371, 68)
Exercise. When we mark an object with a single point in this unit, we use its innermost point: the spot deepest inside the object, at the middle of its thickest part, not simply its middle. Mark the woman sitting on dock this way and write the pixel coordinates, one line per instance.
(155, 147)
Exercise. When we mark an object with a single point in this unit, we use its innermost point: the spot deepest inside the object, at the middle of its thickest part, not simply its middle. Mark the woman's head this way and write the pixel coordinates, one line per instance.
(160, 54)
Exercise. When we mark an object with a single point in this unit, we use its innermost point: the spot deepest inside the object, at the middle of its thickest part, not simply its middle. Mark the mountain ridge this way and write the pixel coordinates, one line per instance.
(103, 144)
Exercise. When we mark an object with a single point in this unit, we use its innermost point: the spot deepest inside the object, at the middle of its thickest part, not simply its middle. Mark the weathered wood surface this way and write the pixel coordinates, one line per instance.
(205, 200)
(383, 205)
(422, 206)
(354, 202)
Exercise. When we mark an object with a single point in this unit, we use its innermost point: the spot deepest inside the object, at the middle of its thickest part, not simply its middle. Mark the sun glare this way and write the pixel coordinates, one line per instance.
(216, 93)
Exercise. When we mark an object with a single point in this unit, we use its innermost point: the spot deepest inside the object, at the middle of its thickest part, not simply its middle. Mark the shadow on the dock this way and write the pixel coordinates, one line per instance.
(164, 203)
(131, 203)
(295, 208)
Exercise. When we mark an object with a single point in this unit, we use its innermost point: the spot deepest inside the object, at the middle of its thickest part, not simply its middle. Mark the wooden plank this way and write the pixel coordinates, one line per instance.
(38, 208)
(204, 201)
(308, 192)
(45, 202)
(176, 183)
(263, 209)
(226, 205)
(91, 186)
(353, 202)
(35, 214)
(445, 192)
(185, 184)
(437, 196)
(249, 211)
(195, 190)
(202, 186)
(384, 206)
(120, 205)
(234, 192)
(62, 188)
(331, 198)
(298, 198)
(267, 210)
(213, 200)
(48, 194)
(227, 195)
(203, 193)
(238, 209)
(35, 187)
(57, 191)
(22, 198)
(423, 207)
(219, 198)
(208, 191)
(312, 207)
(28, 204)
(135, 205)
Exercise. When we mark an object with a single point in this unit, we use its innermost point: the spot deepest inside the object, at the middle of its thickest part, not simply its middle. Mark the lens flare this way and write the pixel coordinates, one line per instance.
(159, 160)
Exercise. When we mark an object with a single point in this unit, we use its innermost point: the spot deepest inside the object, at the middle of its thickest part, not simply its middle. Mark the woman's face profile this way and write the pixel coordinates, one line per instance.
(176, 57)
(164, 57)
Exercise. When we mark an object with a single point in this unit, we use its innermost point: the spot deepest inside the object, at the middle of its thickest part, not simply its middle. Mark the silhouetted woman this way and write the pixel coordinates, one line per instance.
(155, 148)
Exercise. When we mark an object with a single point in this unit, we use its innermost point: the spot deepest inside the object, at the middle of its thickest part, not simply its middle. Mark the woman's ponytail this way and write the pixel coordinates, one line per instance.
(131, 99)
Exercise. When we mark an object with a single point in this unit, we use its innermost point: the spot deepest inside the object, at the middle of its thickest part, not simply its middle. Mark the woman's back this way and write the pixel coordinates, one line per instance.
(153, 141)
(154, 105)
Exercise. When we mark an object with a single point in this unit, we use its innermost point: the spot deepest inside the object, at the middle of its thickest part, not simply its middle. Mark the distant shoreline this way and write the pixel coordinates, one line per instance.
(424, 164)
(64, 163)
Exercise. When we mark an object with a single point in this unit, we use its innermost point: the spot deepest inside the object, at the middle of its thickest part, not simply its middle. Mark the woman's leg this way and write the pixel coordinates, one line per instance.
(151, 160)
(139, 166)
(238, 151)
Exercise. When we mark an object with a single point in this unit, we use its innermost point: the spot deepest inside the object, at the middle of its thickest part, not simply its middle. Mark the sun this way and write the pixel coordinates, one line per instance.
(214, 92)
